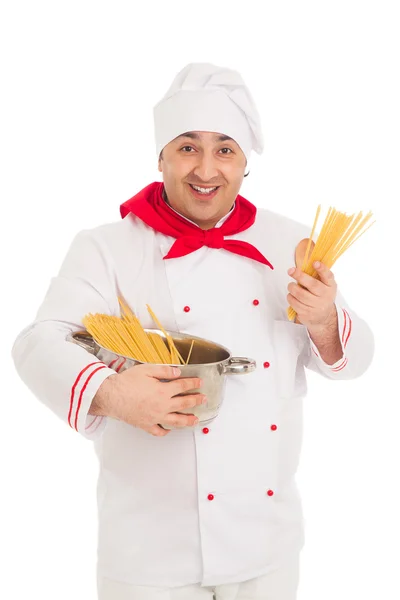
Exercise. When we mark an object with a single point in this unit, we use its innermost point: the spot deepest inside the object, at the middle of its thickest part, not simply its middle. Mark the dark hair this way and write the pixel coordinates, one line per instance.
(161, 158)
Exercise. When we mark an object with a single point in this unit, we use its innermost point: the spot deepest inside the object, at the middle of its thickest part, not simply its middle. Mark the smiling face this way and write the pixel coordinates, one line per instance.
(207, 160)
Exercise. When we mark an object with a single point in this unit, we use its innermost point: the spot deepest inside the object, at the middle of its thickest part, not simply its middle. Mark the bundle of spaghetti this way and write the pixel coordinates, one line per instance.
(339, 231)
(174, 352)
(125, 336)
(138, 334)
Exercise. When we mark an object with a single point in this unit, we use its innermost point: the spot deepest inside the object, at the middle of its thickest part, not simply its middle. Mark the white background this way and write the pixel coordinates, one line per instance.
(79, 82)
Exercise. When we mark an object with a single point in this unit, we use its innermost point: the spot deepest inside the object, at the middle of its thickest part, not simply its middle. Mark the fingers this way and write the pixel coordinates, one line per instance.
(298, 306)
(183, 385)
(314, 285)
(160, 372)
(301, 294)
(175, 420)
(325, 274)
(157, 431)
(182, 402)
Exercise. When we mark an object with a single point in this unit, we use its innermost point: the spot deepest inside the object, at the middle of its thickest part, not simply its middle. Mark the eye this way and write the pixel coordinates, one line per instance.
(226, 149)
(184, 148)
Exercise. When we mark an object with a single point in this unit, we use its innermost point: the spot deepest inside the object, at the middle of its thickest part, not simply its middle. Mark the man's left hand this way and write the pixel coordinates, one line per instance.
(313, 299)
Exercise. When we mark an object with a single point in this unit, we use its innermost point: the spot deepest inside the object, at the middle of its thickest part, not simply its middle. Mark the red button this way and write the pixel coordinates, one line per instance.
(256, 302)
(270, 493)
(274, 427)
(206, 430)
(266, 365)
(210, 497)
(187, 308)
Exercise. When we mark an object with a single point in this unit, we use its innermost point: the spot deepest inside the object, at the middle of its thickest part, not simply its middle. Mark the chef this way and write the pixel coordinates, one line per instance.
(188, 511)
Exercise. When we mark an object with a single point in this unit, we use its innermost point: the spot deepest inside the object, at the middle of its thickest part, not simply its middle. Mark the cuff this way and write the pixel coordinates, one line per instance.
(345, 326)
(83, 391)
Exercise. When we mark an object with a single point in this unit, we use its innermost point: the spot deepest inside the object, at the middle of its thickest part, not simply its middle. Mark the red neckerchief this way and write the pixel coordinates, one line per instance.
(150, 206)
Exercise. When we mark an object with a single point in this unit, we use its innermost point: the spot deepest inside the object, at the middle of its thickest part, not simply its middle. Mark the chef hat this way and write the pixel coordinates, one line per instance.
(205, 97)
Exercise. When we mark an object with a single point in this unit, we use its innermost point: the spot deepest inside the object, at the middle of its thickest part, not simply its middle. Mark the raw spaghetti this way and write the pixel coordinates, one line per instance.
(339, 231)
(126, 337)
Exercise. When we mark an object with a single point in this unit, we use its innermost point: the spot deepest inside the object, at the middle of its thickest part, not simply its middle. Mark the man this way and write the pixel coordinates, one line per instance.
(193, 511)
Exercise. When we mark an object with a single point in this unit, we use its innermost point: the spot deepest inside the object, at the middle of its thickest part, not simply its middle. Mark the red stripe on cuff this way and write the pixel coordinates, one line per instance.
(99, 419)
(71, 403)
(345, 325)
(82, 391)
(340, 367)
(350, 327)
(98, 416)
(90, 424)
(316, 353)
(98, 423)
(120, 366)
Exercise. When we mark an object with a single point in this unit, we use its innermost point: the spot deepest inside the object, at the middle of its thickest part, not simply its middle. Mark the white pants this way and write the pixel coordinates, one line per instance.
(280, 584)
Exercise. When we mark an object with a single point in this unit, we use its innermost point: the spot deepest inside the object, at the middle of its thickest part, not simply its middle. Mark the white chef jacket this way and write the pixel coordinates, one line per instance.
(202, 505)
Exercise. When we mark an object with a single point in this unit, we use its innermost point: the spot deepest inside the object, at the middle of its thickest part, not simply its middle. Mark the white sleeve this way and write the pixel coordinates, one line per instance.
(61, 374)
(357, 342)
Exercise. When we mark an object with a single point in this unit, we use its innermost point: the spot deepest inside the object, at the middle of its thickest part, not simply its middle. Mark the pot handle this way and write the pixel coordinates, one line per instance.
(238, 365)
(84, 340)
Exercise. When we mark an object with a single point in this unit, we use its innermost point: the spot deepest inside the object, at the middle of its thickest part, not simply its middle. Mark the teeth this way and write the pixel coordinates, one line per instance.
(203, 190)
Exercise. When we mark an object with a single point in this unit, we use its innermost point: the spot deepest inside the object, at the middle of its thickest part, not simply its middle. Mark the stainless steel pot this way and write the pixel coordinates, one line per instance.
(209, 361)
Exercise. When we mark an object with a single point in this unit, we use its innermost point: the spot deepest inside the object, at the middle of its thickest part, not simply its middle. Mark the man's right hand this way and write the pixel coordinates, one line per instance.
(137, 397)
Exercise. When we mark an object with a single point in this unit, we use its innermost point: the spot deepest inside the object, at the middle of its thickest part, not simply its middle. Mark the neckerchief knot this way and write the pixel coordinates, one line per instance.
(213, 238)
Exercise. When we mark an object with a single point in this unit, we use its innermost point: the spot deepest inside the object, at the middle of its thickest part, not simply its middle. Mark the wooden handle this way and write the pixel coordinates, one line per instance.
(301, 250)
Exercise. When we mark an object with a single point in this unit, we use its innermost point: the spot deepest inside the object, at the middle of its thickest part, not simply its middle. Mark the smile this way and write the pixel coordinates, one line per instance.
(203, 190)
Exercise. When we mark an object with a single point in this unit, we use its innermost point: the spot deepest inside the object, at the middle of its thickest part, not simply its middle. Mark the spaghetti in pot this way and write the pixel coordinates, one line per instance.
(125, 336)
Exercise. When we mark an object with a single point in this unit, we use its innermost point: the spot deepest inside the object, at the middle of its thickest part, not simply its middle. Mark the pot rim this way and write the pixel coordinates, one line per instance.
(174, 334)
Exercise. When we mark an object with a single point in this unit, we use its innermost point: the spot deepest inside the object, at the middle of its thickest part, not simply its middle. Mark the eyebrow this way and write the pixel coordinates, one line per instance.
(195, 136)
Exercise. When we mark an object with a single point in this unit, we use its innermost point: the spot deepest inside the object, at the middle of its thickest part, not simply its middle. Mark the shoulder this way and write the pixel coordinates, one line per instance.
(277, 236)
(277, 224)
(129, 229)
(111, 243)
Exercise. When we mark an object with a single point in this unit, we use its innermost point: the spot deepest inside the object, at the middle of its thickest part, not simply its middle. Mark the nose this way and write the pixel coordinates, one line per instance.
(206, 168)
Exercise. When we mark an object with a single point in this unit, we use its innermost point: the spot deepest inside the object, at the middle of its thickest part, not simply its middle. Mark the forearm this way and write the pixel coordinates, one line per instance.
(357, 346)
(102, 403)
(327, 339)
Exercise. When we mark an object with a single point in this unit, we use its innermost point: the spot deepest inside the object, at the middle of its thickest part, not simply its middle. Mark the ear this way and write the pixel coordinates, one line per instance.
(160, 160)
